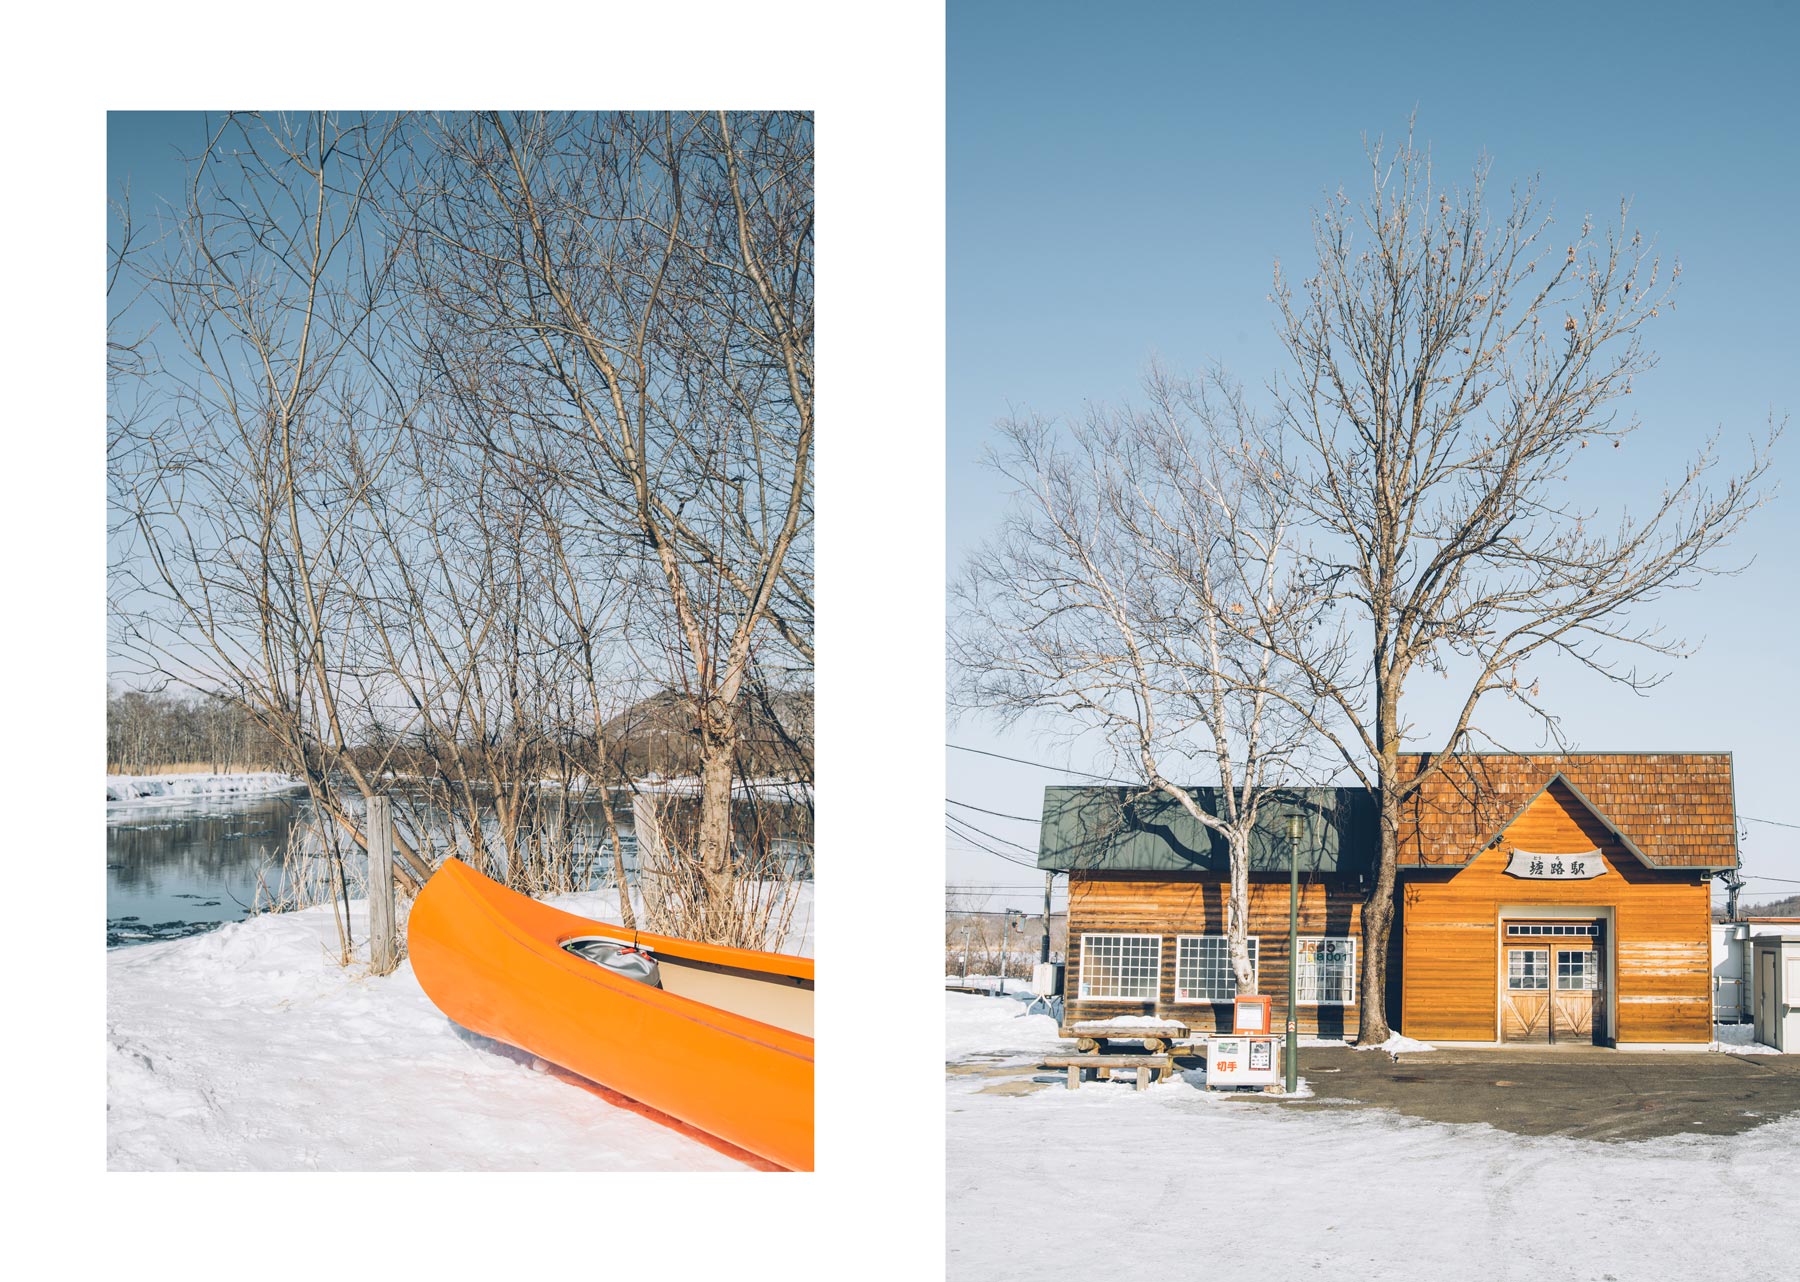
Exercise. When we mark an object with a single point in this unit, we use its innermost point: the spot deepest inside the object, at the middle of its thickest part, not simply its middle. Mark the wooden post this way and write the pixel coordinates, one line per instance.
(384, 951)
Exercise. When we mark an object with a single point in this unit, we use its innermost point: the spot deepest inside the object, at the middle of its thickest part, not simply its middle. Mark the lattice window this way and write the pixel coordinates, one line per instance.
(1203, 968)
(1327, 973)
(1527, 969)
(1536, 929)
(1121, 967)
(1576, 970)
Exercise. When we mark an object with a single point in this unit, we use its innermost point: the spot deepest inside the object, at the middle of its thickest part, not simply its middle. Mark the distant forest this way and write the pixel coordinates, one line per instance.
(150, 732)
(146, 733)
(1789, 907)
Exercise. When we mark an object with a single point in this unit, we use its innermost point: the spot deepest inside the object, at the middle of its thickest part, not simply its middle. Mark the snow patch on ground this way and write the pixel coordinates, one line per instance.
(147, 790)
(1399, 1045)
(1740, 1039)
(250, 1048)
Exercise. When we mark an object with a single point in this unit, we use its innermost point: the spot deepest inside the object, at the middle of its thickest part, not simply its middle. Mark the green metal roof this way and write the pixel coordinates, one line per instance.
(1127, 829)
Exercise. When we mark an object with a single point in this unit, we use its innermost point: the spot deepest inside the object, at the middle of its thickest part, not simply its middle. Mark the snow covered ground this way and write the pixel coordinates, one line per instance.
(995, 1026)
(1739, 1039)
(150, 790)
(250, 1049)
(1177, 1179)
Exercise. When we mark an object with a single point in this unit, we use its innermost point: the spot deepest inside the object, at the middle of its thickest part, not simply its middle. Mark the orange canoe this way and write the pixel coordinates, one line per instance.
(724, 1044)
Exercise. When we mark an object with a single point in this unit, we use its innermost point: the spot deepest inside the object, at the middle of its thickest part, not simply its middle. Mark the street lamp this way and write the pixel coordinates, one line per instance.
(1294, 826)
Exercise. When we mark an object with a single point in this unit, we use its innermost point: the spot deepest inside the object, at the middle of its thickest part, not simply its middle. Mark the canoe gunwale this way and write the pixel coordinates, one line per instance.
(771, 1036)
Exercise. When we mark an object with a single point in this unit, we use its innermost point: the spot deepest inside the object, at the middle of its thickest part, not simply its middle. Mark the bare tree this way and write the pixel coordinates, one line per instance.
(645, 283)
(1121, 595)
(460, 437)
(1448, 367)
(236, 499)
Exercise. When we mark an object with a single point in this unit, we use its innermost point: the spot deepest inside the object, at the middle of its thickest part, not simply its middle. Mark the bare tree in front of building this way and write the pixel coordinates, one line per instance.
(1449, 367)
(1124, 597)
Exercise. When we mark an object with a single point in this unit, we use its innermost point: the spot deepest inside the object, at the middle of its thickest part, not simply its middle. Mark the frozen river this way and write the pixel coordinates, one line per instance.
(181, 867)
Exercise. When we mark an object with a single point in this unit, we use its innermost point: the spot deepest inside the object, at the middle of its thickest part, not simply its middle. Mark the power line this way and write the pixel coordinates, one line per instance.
(1753, 819)
(1042, 765)
(998, 814)
(1012, 859)
(992, 885)
(999, 854)
(992, 836)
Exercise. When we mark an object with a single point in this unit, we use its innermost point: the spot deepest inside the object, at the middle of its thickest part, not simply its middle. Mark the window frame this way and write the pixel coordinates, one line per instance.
(1589, 971)
(1300, 998)
(1081, 979)
(1545, 970)
(1255, 970)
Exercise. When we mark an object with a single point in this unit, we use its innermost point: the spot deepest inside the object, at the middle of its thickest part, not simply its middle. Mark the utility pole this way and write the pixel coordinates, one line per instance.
(1044, 948)
(1733, 883)
(1292, 1058)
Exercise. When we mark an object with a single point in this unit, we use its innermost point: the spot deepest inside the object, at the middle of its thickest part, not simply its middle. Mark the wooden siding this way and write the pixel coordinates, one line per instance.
(1658, 975)
(1168, 907)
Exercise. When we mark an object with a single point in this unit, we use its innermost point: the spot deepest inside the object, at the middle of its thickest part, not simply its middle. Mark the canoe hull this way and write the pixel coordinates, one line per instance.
(491, 960)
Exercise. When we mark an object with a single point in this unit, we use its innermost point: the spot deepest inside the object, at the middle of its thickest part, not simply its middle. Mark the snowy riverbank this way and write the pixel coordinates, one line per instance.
(150, 790)
(249, 1048)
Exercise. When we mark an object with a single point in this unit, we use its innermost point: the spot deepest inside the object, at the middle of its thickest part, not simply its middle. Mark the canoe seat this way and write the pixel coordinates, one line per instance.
(620, 959)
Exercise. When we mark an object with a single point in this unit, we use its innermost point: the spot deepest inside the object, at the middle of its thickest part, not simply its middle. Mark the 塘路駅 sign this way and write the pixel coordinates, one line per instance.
(1555, 867)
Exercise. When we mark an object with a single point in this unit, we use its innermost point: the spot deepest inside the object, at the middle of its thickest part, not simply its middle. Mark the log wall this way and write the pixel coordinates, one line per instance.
(1171, 906)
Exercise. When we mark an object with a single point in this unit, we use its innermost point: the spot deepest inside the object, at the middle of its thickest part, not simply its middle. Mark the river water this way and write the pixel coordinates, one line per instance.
(181, 867)
(178, 867)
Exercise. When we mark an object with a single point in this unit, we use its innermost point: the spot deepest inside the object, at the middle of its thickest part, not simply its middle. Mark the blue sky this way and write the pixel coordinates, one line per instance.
(1121, 181)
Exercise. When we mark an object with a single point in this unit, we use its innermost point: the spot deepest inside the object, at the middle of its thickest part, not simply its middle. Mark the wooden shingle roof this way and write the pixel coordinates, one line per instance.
(1671, 809)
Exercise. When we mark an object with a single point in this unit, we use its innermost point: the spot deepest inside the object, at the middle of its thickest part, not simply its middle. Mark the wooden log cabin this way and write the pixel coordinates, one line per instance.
(1147, 904)
(1551, 899)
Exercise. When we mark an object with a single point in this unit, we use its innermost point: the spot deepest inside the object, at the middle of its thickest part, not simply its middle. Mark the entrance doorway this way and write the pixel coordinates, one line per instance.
(1553, 983)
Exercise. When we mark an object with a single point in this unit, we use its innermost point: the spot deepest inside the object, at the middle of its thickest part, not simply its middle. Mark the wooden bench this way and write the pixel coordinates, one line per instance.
(1105, 1064)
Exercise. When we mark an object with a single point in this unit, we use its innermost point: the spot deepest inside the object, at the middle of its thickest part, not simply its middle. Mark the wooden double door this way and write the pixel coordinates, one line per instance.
(1552, 982)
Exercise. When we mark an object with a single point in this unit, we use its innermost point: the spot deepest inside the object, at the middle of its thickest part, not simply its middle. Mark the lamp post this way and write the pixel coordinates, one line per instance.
(1291, 1059)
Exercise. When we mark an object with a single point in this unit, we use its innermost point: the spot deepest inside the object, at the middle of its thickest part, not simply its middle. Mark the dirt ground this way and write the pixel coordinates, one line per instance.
(1594, 1094)
(1588, 1093)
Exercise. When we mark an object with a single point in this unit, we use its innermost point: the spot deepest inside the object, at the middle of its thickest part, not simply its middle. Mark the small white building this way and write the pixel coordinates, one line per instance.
(1731, 963)
(1776, 964)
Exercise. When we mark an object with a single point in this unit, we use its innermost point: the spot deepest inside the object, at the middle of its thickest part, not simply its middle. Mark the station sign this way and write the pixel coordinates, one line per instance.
(1536, 867)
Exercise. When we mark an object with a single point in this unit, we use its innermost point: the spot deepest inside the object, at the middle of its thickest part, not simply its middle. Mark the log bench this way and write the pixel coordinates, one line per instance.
(1157, 1039)
(1079, 1065)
